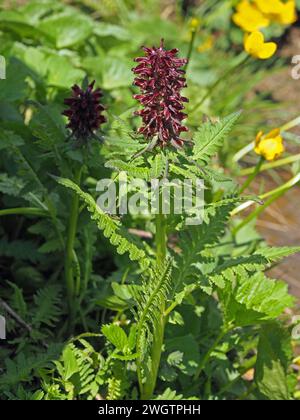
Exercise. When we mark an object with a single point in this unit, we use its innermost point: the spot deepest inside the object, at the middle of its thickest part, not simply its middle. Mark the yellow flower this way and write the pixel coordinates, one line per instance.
(269, 6)
(206, 45)
(270, 146)
(278, 11)
(194, 24)
(249, 17)
(256, 46)
(288, 14)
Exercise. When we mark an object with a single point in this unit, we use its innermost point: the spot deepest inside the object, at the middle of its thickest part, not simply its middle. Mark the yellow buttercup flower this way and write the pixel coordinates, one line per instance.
(252, 15)
(278, 11)
(270, 146)
(269, 6)
(256, 46)
(249, 17)
(288, 14)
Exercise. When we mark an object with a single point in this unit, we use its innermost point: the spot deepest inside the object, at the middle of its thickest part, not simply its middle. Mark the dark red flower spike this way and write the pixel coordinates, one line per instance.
(84, 112)
(160, 78)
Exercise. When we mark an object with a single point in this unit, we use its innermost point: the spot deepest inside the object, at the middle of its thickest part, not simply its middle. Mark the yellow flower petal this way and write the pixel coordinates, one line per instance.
(272, 149)
(243, 5)
(256, 38)
(258, 137)
(269, 146)
(269, 6)
(288, 15)
(249, 18)
(256, 46)
(253, 43)
(273, 133)
(242, 21)
(267, 50)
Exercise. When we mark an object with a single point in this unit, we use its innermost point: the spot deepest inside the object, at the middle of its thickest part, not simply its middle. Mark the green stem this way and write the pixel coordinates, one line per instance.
(148, 387)
(175, 303)
(69, 254)
(77, 275)
(227, 73)
(26, 211)
(253, 175)
(191, 47)
(161, 238)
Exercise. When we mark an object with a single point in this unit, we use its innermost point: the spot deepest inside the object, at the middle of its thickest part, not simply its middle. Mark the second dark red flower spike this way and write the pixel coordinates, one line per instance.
(160, 78)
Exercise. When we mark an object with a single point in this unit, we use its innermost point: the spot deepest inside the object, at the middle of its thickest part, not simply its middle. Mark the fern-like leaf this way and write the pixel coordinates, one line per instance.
(111, 228)
(46, 128)
(114, 389)
(47, 310)
(254, 299)
(20, 250)
(210, 137)
(149, 299)
(244, 266)
(9, 139)
(196, 239)
(275, 254)
(130, 168)
(157, 166)
(23, 368)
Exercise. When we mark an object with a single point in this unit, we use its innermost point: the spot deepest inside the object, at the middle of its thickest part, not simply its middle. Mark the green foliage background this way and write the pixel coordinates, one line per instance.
(224, 316)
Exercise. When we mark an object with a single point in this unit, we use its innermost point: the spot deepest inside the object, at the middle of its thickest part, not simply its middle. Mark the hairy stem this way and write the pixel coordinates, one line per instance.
(191, 47)
(161, 238)
(148, 387)
(69, 254)
(253, 175)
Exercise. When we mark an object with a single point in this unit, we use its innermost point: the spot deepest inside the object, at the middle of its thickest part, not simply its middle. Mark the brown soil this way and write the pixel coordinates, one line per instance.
(280, 226)
(280, 223)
